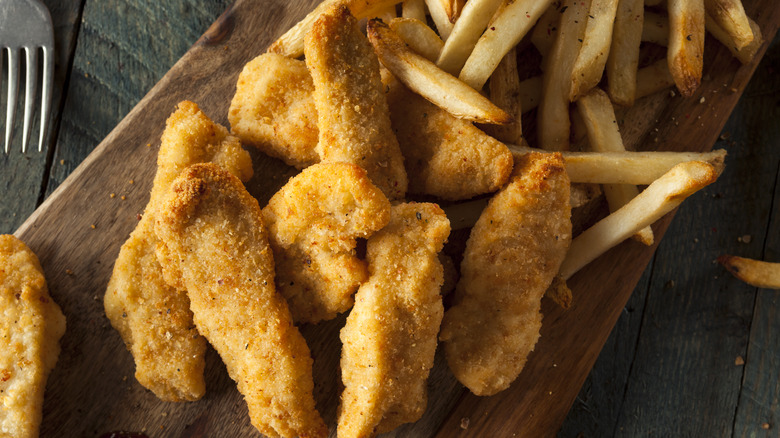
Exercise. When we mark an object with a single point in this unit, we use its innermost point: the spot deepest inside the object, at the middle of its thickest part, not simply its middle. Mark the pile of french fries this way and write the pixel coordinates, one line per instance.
(590, 51)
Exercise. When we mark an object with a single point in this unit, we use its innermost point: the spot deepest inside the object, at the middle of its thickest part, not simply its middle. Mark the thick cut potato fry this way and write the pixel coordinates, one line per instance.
(753, 272)
(354, 120)
(655, 28)
(553, 123)
(603, 136)
(414, 9)
(431, 82)
(291, 43)
(653, 78)
(658, 199)
(530, 93)
(438, 11)
(546, 30)
(505, 31)
(505, 92)
(454, 9)
(730, 16)
(623, 59)
(745, 54)
(467, 30)
(589, 65)
(638, 168)
(420, 38)
(686, 44)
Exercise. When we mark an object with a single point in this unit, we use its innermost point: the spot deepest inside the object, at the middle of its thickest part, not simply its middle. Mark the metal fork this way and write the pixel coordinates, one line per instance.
(26, 24)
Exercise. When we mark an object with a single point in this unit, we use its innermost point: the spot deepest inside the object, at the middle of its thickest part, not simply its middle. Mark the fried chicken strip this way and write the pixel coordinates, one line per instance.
(445, 156)
(153, 318)
(390, 335)
(273, 109)
(213, 240)
(511, 257)
(31, 325)
(353, 118)
(313, 223)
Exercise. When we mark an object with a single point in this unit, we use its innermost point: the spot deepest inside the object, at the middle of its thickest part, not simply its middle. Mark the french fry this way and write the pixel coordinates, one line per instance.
(530, 93)
(745, 54)
(753, 272)
(438, 11)
(546, 29)
(653, 78)
(414, 9)
(553, 116)
(420, 38)
(658, 199)
(291, 43)
(467, 30)
(589, 65)
(603, 136)
(623, 59)
(655, 28)
(730, 16)
(454, 8)
(505, 93)
(638, 168)
(506, 30)
(429, 81)
(686, 44)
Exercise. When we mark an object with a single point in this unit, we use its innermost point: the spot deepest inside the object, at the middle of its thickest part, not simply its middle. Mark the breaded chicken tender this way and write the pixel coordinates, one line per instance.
(353, 118)
(313, 224)
(153, 318)
(215, 243)
(511, 257)
(273, 109)
(31, 325)
(445, 156)
(390, 335)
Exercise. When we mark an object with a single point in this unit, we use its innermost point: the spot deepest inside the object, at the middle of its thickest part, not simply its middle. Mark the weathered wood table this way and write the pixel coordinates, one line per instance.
(695, 352)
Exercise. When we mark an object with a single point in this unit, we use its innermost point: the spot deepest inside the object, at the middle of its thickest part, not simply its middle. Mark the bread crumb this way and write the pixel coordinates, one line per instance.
(464, 423)
(122, 197)
(739, 361)
(113, 195)
(766, 426)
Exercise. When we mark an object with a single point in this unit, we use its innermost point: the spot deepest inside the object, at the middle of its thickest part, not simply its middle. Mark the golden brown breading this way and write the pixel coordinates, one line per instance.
(445, 156)
(390, 335)
(31, 325)
(153, 318)
(313, 222)
(354, 121)
(511, 257)
(216, 245)
(273, 109)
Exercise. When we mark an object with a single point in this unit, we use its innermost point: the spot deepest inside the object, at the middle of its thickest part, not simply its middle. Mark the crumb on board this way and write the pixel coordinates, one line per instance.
(464, 423)
(113, 195)
(739, 361)
(766, 426)
(68, 272)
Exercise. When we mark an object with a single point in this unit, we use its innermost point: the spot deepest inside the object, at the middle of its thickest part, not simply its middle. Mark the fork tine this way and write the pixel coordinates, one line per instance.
(29, 94)
(13, 90)
(48, 74)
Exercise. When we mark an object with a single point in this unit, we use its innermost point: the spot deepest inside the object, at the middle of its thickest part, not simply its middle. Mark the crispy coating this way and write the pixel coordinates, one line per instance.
(153, 318)
(214, 241)
(445, 156)
(390, 335)
(31, 325)
(273, 109)
(354, 121)
(313, 223)
(514, 251)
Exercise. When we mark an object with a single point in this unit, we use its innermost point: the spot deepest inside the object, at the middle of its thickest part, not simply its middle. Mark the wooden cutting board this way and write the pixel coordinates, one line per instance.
(78, 231)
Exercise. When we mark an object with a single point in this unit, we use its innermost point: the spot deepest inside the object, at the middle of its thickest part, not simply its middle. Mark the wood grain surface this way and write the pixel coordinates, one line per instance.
(92, 390)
